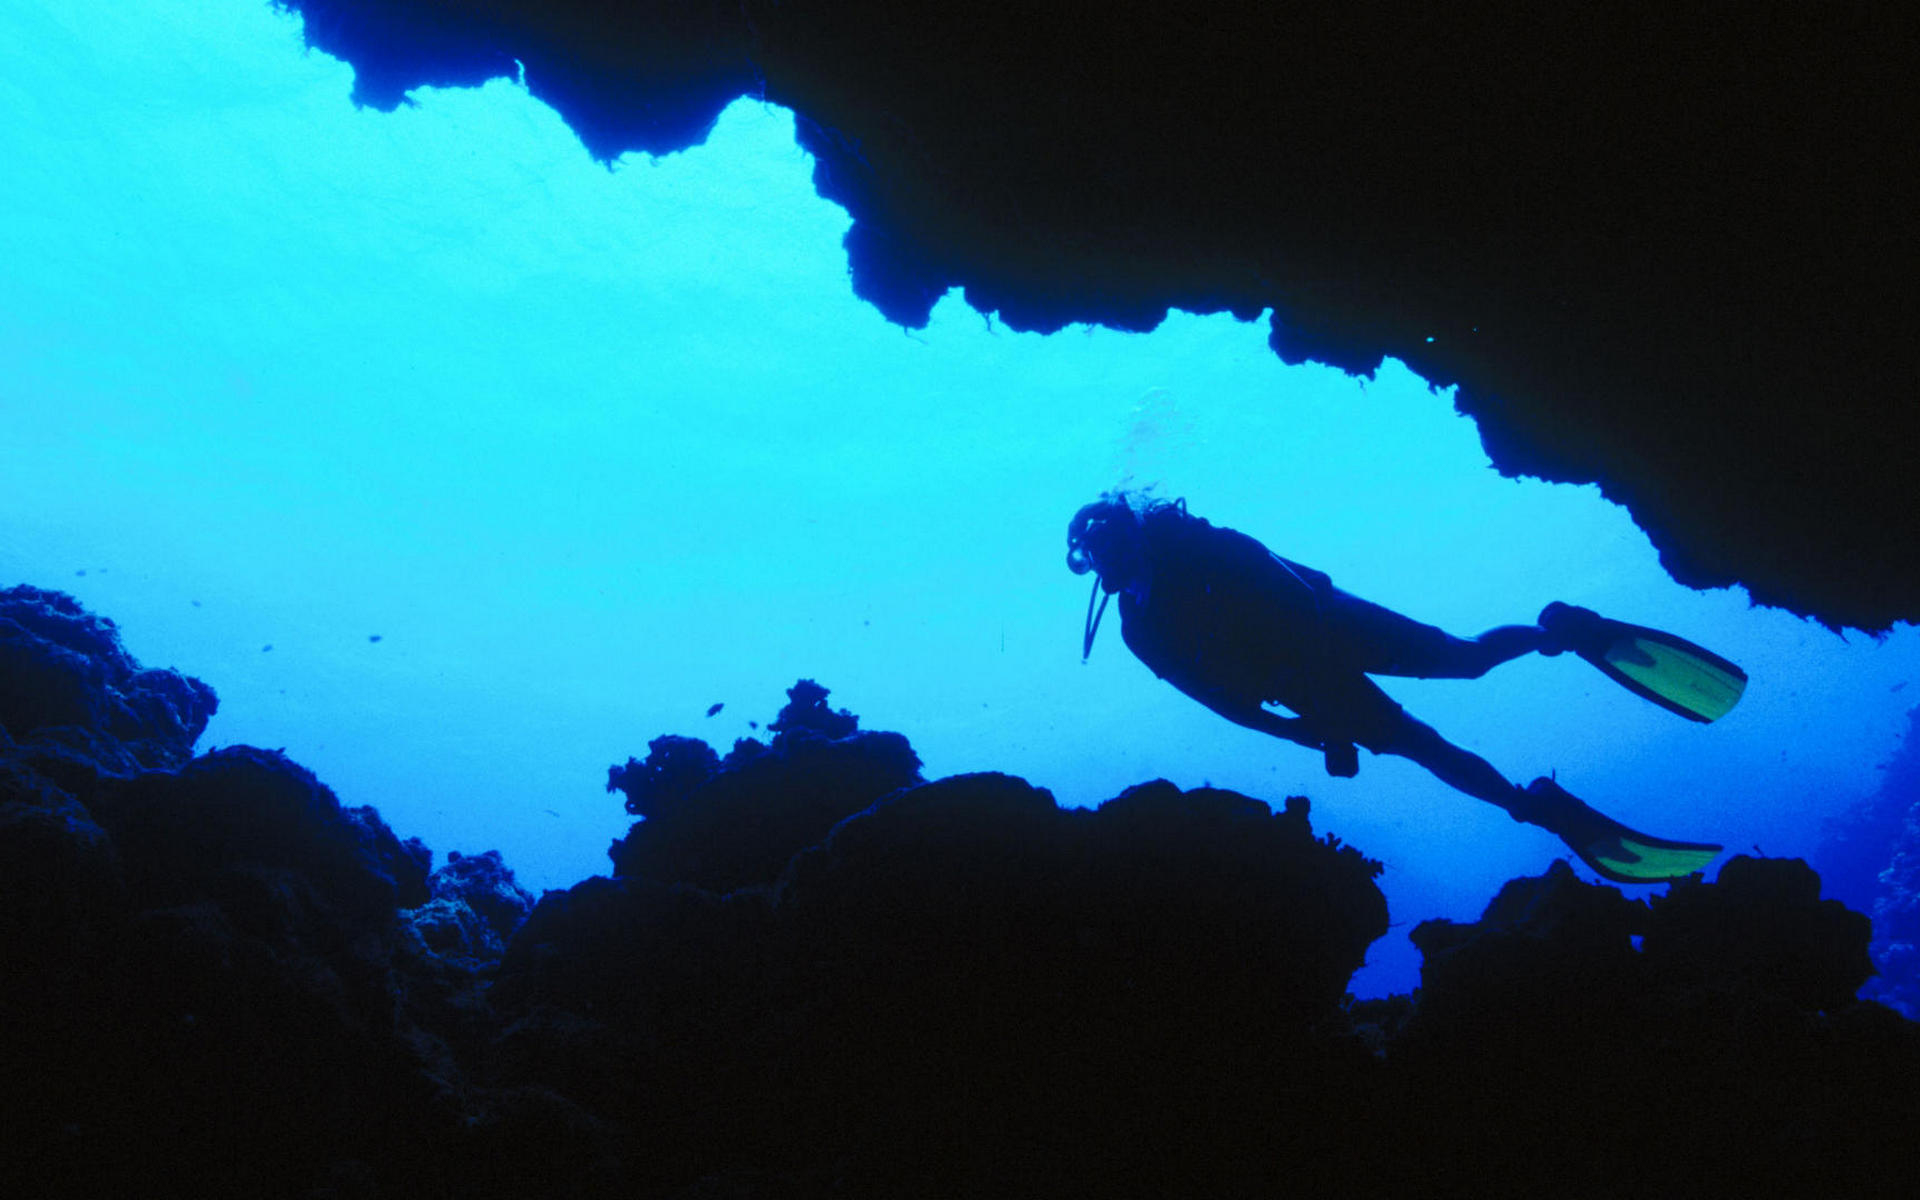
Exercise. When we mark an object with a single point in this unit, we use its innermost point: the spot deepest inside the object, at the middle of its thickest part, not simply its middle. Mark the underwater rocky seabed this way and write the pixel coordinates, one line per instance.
(814, 972)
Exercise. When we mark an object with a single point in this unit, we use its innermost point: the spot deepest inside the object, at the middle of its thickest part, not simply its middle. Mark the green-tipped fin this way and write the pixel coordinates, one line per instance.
(1613, 850)
(1673, 672)
(1678, 675)
(1636, 858)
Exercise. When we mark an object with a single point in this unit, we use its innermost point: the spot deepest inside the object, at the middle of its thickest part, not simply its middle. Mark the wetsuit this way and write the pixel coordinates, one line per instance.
(1220, 616)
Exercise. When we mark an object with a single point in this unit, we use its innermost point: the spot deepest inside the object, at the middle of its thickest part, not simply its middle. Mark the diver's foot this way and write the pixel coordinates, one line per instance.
(1566, 626)
(1539, 803)
(1544, 803)
(1611, 849)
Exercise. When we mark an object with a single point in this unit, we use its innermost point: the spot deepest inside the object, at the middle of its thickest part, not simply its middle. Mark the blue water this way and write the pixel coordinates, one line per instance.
(590, 450)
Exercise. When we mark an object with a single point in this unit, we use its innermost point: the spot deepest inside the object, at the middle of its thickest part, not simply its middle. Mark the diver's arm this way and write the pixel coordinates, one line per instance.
(1289, 587)
(1292, 729)
(1179, 667)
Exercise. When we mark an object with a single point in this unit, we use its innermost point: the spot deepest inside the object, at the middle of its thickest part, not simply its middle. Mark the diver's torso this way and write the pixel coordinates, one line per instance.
(1217, 606)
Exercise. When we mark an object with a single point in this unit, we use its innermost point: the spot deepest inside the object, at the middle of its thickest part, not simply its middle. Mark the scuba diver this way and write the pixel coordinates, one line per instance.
(1236, 627)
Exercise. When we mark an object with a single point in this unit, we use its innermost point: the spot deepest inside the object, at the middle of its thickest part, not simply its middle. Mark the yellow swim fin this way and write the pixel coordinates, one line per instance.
(1669, 670)
(1613, 850)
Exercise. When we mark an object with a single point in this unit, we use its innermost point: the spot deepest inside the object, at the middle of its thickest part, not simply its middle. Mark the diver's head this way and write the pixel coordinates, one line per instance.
(1105, 537)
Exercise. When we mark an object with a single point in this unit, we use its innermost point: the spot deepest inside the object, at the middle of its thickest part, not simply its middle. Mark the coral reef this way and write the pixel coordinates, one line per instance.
(730, 825)
(1870, 858)
(207, 977)
(66, 682)
(220, 976)
(1894, 813)
(476, 906)
(1667, 252)
(1896, 922)
(1727, 1049)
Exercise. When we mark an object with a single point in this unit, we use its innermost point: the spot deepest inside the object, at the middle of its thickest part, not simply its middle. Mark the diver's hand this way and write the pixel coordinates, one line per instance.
(1247, 711)
(1293, 729)
(1342, 760)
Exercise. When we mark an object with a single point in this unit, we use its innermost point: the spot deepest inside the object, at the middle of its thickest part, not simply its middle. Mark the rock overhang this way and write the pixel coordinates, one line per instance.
(1665, 251)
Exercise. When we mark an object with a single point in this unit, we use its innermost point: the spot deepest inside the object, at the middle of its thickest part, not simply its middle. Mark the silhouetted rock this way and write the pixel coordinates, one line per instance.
(219, 979)
(476, 906)
(1546, 953)
(65, 681)
(726, 825)
(958, 962)
(486, 885)
(1725, 1048)
(202, 956)
(806, 711)
(242, 812)
(1761, 926)
(661, 787)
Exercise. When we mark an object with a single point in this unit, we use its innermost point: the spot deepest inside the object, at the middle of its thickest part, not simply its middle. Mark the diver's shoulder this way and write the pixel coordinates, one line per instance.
(1170, 528)
(1172, 514)
(1172, 524)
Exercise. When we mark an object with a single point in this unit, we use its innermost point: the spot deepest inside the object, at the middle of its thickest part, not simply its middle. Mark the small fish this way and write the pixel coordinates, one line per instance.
(373, 637)
(196, 604)
(266, 647)
(549, 812)
(81, 572)
(1896, 687)
(715, 708)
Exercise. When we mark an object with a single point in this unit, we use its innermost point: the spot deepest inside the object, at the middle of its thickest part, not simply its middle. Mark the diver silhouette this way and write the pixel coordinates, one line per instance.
(1237, 627)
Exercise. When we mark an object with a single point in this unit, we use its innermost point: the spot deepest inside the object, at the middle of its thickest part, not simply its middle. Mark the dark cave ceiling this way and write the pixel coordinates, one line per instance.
(1665, 248)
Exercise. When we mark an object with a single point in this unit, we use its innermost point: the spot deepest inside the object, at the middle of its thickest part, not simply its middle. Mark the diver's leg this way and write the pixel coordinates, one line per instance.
(1472, 659)
(1460, 769)
(1379, 641)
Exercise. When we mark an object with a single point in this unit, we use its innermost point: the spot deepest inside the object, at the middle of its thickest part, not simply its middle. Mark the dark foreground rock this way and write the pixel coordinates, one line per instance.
(961, 969)
(1724, 1049)
(218, 977)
